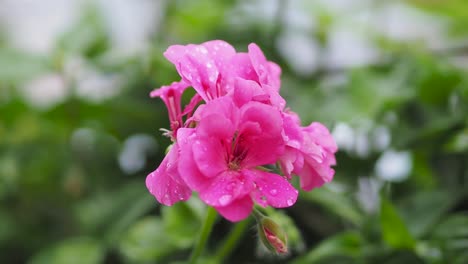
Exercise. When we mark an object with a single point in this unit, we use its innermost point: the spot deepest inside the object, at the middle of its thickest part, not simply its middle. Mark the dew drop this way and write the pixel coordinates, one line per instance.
(273, 191)
(225, 199)
(290, 202)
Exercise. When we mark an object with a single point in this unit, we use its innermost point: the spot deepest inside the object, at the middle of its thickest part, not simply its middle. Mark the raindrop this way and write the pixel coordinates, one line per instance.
(273, 191)
(290, 202)
(225, 199)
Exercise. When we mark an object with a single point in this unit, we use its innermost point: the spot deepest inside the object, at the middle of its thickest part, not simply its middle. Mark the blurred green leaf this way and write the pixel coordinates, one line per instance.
(453, 226)
(16, 66)
(344, 244)
(96, 213)
(394, 231)
(146, 241)
(7, 226)
(182, 222)
(335, 202)
(437, 81)
(75, 250)
(138, 208)
(423, 210)
(88, 37)
(459, 142)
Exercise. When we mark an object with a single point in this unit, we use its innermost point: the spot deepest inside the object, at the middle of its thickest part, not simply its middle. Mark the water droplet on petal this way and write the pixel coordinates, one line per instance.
(290, 202)
(273, 191)
(225, 199)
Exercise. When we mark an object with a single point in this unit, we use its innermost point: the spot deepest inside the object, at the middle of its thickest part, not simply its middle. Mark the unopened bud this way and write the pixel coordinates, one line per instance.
(271, 234)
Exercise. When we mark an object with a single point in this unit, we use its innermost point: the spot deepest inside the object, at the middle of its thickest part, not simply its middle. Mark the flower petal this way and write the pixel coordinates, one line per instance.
(272, 189)
(210, 156)
(165, 184)
(237, 210)
(187, 167)
(260, 132)
(314, 175)
(226, 188)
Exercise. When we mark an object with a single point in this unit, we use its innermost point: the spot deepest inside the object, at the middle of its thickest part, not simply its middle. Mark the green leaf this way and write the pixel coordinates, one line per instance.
(344, 244)
(424, 209)
(182, 222)
(459, 142)
(394, 231)
(76, 250)
(127, 217)
(335, 202)
(147, 240)
(16, 66)
(96, 213)
(453, 226)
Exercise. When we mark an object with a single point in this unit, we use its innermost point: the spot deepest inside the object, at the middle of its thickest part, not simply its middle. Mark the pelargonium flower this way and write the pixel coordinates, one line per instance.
(309, 152)
(221, 146)
(219, 158)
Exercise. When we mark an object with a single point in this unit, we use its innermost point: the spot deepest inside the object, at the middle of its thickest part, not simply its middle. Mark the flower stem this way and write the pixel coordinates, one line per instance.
(231, 241)
(205, 233)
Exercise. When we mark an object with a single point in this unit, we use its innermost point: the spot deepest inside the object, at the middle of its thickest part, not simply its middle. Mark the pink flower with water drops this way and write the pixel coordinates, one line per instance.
(234, 132)
(310, 152)
(220, 158)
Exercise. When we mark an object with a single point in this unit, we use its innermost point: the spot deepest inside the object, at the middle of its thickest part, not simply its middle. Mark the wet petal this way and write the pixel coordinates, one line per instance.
(237, 210)
(272, 189)
(165, 184)
(226, 188)
(210, 156)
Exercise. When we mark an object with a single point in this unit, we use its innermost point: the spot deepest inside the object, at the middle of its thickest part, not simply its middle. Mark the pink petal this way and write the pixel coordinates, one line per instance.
(314, 175)
(321, 136)
(242, 67)
(289, 161)
(187, 167)
(225, 189)
(259, 62)
(237, 210)
(196, 67)
(223, 106)
(210, 156)
(221, 52)
(272, 189)
(164, 183)
(216, 126)
(245, 90)
(260, 134)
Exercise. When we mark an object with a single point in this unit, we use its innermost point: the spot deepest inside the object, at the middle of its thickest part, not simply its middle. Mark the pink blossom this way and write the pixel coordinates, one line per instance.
(165, 182)
(309, 152)
(236, 124)
(253, 66)
(219, 158)
(171, 95)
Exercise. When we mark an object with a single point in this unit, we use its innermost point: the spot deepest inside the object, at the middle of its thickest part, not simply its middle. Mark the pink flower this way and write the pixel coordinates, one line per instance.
(171, 95)
(219, 159)
(253, 66)
(309, 152)
(233, 126)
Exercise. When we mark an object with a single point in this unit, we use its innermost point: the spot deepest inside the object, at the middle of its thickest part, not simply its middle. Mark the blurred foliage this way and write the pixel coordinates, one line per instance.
(68, 197)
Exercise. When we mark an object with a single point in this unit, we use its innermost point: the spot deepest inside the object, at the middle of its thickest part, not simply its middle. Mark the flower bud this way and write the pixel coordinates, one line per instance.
(271, 234)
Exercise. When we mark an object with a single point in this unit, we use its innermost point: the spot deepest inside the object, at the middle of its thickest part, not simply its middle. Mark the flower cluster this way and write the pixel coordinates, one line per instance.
(232, 134)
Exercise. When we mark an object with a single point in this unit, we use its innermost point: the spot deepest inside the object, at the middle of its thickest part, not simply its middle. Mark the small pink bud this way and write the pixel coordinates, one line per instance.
(271, 234)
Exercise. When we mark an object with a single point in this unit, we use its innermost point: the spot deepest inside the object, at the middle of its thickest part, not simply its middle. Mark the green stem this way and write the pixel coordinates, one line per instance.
(205, 233)
(231, 241)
